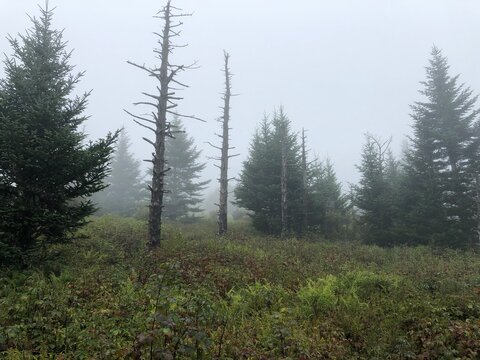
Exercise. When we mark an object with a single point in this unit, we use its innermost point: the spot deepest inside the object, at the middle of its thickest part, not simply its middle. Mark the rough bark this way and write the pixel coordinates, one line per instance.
(223, 201)
(224, 150)
(304, 183)
(162, 103)
(477, 200)
(283, 184)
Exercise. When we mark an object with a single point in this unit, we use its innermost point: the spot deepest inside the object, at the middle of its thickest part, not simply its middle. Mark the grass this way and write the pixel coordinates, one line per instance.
(244, 296)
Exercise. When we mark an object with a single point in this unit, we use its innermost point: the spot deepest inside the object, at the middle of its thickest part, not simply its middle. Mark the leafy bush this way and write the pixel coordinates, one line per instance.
(240, 296)
(319, 296)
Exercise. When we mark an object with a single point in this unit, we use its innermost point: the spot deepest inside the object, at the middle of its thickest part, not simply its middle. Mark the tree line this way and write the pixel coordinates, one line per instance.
(49, 171)
(430, 195)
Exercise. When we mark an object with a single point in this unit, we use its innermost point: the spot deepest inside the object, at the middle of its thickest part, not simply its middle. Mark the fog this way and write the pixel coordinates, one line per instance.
(339, 68)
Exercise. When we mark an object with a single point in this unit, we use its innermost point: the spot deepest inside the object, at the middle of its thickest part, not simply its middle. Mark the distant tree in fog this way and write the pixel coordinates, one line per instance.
(376, 194)
(259, 188)
(185, 191)
(441, 189)
(222, 218)
(284, 192)
(326, 204)
(125, 189)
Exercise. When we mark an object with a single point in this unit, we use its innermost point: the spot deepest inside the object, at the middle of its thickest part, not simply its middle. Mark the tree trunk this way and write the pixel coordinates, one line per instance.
(477, 199)
(156, 121)
(157, 190)
(304, 183)
(283, 185)
(223, 202)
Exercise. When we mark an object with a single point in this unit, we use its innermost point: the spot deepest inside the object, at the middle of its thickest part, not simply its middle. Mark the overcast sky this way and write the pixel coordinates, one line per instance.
(339, 68)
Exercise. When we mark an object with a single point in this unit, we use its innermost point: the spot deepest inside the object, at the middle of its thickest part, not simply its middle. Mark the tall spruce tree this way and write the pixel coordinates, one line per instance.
(374, 196)
(47, 170)
(125, 188)
(442, 161)
(184, 190)
(326, 211)
(259, 189)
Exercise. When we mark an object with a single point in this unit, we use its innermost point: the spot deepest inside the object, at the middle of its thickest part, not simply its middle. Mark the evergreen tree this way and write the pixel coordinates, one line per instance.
(183, 189)
(125, 189)
(374, 196)
(327, 204)
(47, 171)
(442, 161)
(259, 187)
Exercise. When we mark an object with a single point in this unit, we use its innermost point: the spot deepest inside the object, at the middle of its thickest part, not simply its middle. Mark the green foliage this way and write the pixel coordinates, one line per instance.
(376, 194)
(47, 170)
(125, 190)
(241, 296)
(442, 161)
(327, 206)
(184, 190)
(318, 296)
(258, 189)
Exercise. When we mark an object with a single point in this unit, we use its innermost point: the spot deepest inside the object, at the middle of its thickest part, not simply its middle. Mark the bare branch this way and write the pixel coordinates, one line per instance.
(149, 141)
(214, 146)
(139, 117)
(145, 126)
(144, 103)
(144, 68)
(178, 83)
(185, 116)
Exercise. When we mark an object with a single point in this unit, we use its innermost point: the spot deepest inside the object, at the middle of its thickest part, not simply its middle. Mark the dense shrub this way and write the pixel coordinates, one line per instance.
(240, 296)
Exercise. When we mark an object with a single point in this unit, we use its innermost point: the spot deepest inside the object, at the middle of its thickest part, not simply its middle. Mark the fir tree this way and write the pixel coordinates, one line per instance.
(327, 204)
(374, 194)
(259, 188)
(125, 189)
(47, 170)
(183, 189)
(441, 162)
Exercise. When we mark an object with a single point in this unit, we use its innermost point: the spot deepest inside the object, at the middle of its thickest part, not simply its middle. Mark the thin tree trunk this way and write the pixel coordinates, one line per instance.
(477, 188)
(283, 185)
(157, 190)
(223, 202)
(163, 102)
(304, 183)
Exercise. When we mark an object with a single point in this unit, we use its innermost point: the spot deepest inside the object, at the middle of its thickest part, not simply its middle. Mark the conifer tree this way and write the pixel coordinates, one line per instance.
(125, 189)
(47, 170)
(184, 196)
(260, 183)
(373, 195)
(441, 163)
(326, 203)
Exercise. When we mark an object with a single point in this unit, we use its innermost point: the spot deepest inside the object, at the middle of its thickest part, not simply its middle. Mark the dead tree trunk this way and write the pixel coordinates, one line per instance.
(304, 183)
(163, 102)
(223, 201)
(224, 151)
(283, 182)
(477, 200)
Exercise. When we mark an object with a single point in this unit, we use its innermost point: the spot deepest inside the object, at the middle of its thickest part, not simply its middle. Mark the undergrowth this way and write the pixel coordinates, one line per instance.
(242, 296)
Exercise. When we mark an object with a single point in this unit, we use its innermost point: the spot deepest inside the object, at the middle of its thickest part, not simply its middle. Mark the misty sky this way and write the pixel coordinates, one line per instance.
(339, 68)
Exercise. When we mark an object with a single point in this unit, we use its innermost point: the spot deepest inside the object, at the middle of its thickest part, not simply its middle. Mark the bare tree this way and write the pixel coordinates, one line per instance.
(304, 182)
(477, 200)
(224, 149)
(283, 181)
(163, 103)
